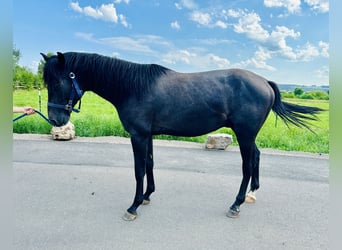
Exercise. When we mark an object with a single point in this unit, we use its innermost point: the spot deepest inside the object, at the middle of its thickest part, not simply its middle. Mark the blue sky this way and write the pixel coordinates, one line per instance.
(286, 41)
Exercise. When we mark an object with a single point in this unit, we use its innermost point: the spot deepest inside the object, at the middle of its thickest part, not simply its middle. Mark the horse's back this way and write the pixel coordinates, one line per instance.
(197, 103)
(211, 86)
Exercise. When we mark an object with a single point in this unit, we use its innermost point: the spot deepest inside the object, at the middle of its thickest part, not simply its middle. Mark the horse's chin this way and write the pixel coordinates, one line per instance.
(56, 123)
(58, 119)
(63, 124)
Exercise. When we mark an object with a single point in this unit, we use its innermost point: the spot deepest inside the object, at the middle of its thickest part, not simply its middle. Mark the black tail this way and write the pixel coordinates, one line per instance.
(292, 113)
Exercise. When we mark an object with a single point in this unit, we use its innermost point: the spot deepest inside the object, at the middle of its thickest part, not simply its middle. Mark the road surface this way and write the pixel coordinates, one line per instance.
(72, 195)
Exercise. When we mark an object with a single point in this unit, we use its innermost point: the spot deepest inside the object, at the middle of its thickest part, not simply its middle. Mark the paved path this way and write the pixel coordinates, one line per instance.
(72, 194)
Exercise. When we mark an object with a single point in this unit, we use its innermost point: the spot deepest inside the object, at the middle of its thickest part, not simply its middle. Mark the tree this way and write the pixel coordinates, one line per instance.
(16, 56)
(22, 77)
(298, 91)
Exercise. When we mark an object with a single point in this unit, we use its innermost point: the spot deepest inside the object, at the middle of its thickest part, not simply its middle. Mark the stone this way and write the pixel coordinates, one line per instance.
(218, 141)
(64, 133)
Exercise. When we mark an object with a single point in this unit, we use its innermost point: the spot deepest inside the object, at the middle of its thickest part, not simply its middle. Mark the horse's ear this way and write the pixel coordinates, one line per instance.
(44, 56)
(61, 58)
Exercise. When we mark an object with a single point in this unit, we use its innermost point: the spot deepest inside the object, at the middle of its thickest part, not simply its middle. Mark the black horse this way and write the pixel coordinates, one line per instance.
(151, 100)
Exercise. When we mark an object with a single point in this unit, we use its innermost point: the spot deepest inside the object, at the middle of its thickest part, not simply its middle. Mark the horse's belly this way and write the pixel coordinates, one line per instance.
(190, 125)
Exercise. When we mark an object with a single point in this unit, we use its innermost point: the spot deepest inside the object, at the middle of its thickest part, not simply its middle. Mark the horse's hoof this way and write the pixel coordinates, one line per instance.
(233, 213)
(146, 202)
(250, 197)
(129, 217)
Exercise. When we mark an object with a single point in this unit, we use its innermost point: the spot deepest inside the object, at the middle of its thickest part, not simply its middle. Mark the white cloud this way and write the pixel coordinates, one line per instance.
(200, 17)
(188, 4)
(137, 44)
(85, 36)
(258, 61)
(219, 61)
(221, 24)
(324, 48)
(307, 53)
(310, 51)
(126, 43)
(153, 39)
(292, 6)
(119, 1)
(76, 7)
(123, 21)
(175, 25)
(249, 23)
(106, 12)
(319, 5)
(206, 19)
(277, 41)
(273, 42)
(323, 74)
(198, 61)
(120, 43)
(183, 56)
(214, 41)
(234, 13)
(195, 59)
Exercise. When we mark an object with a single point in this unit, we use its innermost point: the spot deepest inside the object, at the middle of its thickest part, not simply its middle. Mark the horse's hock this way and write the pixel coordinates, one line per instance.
(218, 141)
(66, 132)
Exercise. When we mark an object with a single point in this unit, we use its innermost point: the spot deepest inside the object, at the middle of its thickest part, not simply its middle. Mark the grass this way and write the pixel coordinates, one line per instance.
(99, 118)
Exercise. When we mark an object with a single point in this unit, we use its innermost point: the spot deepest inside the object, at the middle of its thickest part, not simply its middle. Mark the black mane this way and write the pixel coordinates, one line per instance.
(123, 76)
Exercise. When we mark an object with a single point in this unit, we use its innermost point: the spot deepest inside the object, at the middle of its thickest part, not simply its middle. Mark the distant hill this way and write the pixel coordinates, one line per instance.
(305, 88)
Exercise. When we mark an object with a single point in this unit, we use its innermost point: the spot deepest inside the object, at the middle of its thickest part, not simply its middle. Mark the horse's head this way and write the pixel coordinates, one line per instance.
(63, 90)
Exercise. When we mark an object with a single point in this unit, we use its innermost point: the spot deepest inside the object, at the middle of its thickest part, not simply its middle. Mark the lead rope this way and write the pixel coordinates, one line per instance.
(36, 111)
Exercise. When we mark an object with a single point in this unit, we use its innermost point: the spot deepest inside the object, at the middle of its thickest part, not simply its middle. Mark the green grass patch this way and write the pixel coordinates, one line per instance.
(99, 118)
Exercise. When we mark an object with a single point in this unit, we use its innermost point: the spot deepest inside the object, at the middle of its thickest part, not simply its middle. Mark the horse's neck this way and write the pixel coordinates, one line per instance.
(104, 88)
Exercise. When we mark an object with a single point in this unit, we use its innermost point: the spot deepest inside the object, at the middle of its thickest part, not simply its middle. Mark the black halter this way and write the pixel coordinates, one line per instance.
(75, 92)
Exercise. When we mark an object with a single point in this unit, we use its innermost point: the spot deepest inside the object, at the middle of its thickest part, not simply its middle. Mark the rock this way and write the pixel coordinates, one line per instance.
(218, 141)
(66, 132)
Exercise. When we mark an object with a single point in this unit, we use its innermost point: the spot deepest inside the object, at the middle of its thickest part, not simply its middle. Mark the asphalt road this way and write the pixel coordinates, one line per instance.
(72, 195)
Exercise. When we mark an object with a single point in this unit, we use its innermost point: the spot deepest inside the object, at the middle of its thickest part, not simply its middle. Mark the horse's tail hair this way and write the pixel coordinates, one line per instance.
(292, 113)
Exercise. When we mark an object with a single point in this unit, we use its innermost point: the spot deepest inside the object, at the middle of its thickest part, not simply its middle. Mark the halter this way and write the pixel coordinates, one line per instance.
(75, 92)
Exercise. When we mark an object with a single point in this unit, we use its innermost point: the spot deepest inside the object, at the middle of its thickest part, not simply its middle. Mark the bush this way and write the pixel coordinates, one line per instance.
(285, 94)
(320, 95)
(306, 96)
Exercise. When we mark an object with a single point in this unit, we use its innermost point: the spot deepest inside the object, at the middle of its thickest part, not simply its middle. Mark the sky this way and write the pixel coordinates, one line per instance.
(286, 41)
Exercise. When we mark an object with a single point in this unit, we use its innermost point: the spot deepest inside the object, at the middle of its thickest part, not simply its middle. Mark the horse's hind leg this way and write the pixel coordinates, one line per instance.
(149, 173)
(247, 151)
(250, 197)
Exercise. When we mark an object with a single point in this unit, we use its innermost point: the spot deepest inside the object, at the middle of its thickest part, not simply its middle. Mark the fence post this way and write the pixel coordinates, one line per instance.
(39, 100)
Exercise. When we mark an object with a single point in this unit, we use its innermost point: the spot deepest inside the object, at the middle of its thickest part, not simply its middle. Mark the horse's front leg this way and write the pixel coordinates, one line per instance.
(140, 149)
(149, 173)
